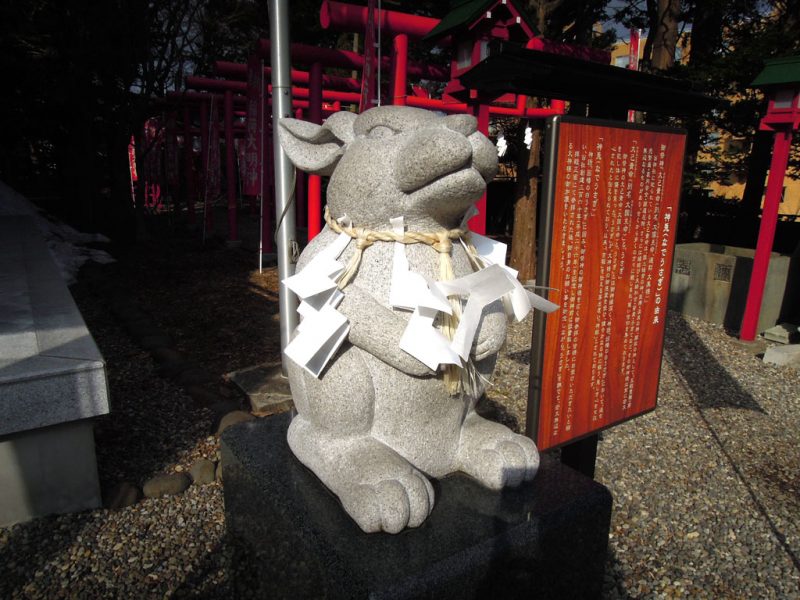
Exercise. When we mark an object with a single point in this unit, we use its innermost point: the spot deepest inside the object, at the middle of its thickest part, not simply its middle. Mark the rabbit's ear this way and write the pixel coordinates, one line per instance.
(341, 125)
(316, 149)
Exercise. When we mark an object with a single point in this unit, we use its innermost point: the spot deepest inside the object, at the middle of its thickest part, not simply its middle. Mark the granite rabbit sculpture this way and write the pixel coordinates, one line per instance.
(377, 422)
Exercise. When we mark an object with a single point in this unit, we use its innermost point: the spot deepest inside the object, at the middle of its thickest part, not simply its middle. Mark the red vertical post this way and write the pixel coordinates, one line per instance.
(314, 206)
(204, 153)
(315, 181)
(213, 168)
(766, 234)
(267, 183)
(190, 191)
(230, 167)
(369, 76)
(300, 187)
(399, 69)
(171, 156)
(478, 222)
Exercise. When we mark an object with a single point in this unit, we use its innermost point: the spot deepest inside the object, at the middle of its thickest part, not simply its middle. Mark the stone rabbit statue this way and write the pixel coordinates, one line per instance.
(377, 422)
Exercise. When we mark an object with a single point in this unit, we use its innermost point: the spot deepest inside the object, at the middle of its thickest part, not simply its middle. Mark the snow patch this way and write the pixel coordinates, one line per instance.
(66, 245)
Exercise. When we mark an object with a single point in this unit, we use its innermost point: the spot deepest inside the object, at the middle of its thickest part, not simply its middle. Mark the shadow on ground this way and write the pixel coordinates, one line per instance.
(713, 388)
(711, 385)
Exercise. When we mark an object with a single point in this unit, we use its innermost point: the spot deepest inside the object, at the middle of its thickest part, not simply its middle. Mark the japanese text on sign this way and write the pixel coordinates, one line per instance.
(615, 205)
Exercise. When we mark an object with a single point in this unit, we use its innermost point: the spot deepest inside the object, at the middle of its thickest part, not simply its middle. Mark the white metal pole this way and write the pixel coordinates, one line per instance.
(261, 132)
(284, 170)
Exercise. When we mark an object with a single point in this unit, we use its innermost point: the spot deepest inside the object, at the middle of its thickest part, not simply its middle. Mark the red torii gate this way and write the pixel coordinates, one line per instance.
(238, 71)
(226, 85)
(311, 211)
(177, 102)
(186, 100)
(341, 89)
(228, 100)
(229, 88)
(402, 27)
(323, 87)
(780, 79)
(317, 59)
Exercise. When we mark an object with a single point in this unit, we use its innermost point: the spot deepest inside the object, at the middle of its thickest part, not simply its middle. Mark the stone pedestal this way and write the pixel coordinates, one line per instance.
(292, 539)
(46, 471)
(710, 282)
(52, 383)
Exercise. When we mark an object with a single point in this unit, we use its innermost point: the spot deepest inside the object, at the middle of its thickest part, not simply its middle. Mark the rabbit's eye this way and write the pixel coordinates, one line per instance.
(380, 131)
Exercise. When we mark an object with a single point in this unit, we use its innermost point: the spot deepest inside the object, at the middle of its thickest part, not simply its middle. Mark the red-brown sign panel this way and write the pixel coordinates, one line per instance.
(615, 214)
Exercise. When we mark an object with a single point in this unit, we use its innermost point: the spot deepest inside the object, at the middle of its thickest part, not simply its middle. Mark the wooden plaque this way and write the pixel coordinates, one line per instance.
(614, 190)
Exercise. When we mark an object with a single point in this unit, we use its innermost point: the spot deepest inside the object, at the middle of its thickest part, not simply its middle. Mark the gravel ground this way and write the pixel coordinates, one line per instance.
(706, 488)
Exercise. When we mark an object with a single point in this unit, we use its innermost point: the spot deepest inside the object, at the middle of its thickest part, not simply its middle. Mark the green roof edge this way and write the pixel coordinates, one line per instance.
(464, 13)
(778, 71)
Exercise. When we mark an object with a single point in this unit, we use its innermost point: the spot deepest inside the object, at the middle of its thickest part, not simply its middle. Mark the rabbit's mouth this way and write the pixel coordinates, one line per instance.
(451, 195)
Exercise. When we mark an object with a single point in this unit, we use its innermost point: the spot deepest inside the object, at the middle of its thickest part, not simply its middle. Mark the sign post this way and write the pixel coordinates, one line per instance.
(633, 61)
(611, 194)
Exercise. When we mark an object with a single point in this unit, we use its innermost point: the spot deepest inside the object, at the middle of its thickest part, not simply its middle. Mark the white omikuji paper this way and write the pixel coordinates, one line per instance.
(318, 275)
(432, 297)
(404, 289)
(323, 328)
(408, 289)
(317, 339)
(425, 343)
(488, 249)
(305, 309)
(520, 301)
(411, 291)
(316, 283)
(482, 287)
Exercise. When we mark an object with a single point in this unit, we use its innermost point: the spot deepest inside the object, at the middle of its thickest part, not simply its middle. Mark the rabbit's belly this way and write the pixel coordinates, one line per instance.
(416, 417)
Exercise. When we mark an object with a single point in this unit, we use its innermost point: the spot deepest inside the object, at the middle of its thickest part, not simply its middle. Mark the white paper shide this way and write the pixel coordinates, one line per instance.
(323, 329)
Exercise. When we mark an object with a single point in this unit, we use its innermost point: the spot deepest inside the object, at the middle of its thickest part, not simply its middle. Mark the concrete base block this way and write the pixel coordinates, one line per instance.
(292, 539)
(785, 333)
(754, 347)
(266, 388)
(783, 356)
(46, 471)
(52, 383)
(711, 282)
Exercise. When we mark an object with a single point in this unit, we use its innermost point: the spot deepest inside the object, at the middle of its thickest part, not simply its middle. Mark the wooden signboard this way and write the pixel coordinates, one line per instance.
(611, 213)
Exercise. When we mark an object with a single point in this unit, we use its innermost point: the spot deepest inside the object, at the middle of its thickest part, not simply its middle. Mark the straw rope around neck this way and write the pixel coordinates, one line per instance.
(442, 242)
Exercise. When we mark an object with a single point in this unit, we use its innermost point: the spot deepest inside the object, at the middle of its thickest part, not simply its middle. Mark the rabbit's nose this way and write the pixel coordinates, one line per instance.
(429, 155)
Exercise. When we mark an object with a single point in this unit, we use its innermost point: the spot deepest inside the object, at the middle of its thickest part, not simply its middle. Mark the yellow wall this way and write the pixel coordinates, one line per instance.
(791, 194)
(621, 49)
(732, 191)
